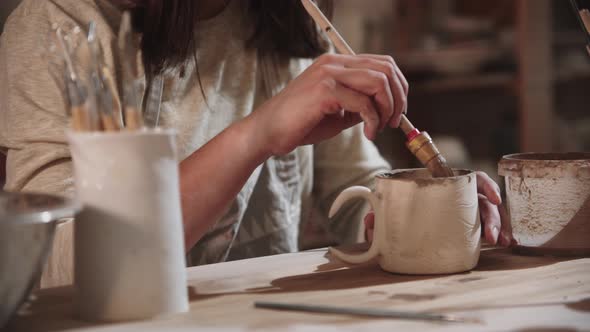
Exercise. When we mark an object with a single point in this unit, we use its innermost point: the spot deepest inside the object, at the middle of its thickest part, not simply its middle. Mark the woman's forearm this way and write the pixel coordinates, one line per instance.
(212, 176)
(308, 110)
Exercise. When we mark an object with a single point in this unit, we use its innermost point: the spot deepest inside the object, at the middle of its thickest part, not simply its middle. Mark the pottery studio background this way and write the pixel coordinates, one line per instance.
(487, 78)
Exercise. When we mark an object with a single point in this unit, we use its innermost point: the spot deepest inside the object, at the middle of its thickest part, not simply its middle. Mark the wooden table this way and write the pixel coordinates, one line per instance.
(506, 292)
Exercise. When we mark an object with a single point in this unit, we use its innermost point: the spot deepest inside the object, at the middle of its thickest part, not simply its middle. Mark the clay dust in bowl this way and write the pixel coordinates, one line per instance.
(548, 198)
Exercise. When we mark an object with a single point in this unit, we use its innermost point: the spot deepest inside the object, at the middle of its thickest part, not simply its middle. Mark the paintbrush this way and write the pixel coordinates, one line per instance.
(109, 81)
(82, 118)
(103, 85)
(364, 312)
(128, 55)
(583, 17)
(419, 143)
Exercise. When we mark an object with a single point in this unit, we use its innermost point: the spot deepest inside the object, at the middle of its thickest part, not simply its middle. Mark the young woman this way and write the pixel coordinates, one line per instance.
(248, 100)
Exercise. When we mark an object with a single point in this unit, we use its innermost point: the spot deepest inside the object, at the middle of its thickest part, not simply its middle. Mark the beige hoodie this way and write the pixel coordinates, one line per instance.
(280, 196)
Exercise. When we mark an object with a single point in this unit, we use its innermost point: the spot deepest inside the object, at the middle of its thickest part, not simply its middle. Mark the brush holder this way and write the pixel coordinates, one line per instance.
(128, 239)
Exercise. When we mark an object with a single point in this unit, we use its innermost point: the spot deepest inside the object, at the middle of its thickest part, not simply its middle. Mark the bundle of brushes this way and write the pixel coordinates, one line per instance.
(93, 99)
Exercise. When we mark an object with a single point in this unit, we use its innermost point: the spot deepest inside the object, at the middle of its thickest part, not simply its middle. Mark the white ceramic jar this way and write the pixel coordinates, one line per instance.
(129, 242)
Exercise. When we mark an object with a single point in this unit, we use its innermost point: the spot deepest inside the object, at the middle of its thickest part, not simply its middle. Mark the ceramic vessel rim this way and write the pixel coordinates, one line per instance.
(64, 208)
(548, 157)
(543, 165)
(149, 132)
(382, 175)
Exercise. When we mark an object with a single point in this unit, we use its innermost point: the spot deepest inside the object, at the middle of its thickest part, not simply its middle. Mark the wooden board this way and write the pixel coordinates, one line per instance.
(507, 292)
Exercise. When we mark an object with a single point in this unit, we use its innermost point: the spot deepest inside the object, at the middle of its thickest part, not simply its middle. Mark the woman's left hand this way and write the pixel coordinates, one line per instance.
(494, 219)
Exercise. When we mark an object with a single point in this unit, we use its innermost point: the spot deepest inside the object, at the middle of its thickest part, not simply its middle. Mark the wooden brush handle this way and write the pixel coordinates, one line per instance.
(405, 125)
(79, 118)
(133, 118)
(110, 83)
(109, 122)
(421, 146)
(585, 15)
(341, 46)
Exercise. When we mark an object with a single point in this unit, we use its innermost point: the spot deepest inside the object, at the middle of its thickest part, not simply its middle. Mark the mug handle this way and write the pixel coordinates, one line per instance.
(373, 199)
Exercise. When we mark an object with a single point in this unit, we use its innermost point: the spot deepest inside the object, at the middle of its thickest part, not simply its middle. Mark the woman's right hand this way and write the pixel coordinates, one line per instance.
(333, 94)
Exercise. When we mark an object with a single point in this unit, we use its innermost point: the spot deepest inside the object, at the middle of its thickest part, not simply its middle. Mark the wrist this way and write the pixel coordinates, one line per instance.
(255, 137)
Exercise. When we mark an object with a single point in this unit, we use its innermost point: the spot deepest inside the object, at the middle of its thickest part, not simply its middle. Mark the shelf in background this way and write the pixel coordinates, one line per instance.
(568, 38)
(570, 75)
(464, 82)
(484, 81)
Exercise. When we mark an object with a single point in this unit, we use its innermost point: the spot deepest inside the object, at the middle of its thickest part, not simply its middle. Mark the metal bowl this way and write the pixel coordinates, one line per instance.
(27, 227)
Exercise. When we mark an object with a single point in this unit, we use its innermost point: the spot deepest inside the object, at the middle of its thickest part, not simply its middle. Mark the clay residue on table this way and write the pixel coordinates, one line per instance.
(582, 305)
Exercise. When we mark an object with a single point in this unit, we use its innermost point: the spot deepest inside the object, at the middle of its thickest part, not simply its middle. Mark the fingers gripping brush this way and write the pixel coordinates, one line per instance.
(419, 143)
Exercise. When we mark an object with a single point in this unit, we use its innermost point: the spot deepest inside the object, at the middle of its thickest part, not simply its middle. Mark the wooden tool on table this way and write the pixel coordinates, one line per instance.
(419, 143)
(365, 312)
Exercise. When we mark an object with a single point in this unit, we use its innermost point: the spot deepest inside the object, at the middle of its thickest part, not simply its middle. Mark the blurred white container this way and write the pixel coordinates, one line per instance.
(129, 243)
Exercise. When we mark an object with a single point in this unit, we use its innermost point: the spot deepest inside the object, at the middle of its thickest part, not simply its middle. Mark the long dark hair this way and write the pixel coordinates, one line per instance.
(167, 26)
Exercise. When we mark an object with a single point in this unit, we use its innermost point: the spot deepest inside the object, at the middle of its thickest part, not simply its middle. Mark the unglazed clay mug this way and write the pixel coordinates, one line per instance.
(423, 225)
(129, 241)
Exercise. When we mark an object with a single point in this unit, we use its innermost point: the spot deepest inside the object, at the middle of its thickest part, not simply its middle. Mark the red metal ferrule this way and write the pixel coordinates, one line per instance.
(413, 134)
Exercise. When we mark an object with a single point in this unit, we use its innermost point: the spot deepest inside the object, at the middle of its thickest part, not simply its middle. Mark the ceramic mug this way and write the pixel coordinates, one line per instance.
(128, 240)
(423, 225)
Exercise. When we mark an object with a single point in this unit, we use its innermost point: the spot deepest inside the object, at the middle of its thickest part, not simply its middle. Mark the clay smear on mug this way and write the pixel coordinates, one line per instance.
(421, 177)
